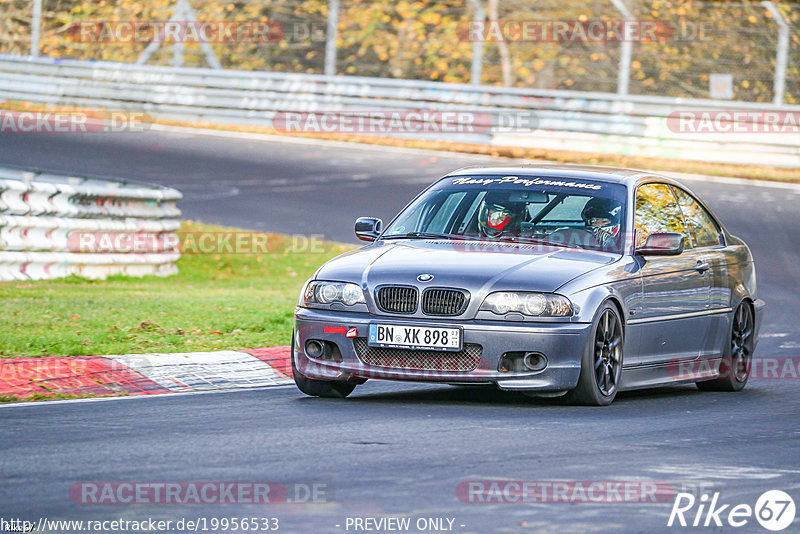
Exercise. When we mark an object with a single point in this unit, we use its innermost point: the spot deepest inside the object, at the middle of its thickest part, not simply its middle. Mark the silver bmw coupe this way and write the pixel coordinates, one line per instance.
(552, 280)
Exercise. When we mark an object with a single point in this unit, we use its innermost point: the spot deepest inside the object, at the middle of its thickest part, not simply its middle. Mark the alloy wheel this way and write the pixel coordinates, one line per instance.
(607, 353)
(742, 343)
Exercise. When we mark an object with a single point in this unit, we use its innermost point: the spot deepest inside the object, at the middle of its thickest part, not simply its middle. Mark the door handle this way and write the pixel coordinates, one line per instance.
(702, 266)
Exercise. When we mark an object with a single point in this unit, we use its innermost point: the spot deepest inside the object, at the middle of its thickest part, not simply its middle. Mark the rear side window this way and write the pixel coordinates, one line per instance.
(703, 231)
(657, 211)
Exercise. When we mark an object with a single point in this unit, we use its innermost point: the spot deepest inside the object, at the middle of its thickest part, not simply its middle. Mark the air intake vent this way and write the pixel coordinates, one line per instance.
(444, 301)
(419, 360)
(397, 299)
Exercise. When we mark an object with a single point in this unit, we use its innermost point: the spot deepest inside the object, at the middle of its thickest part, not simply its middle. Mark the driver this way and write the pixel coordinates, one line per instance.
(602, 218)
(498, 216)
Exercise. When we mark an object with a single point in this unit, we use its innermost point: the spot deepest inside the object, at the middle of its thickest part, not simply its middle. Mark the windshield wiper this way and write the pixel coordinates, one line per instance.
(422, 235)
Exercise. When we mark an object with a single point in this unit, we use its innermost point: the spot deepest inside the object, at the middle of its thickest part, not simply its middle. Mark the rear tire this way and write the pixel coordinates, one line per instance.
(335, 389)
(737, 355)
(601, 365)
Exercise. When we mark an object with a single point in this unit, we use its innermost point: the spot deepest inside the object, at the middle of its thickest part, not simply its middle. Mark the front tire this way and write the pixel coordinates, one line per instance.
(336, 389)
(734, 370)
(601, 365)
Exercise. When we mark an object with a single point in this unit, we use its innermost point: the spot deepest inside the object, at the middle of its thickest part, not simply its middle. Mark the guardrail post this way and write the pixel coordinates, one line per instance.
(626, 52)
(781, 56)
(330, 37)
(183, 14)
(36, 27)
(477, 45)
(179, 46)
(211, 57)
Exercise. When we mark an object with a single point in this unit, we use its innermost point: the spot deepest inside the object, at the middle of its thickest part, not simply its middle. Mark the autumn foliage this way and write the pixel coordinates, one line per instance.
(424, 39)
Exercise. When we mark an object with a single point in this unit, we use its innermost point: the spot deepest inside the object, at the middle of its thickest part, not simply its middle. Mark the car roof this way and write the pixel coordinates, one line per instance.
(586, 172)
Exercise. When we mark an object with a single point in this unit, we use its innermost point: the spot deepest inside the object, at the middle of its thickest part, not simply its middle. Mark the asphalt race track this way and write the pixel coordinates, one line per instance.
(389, 449)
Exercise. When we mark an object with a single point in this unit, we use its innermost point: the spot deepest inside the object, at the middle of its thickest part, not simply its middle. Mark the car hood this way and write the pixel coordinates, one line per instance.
(476, 266)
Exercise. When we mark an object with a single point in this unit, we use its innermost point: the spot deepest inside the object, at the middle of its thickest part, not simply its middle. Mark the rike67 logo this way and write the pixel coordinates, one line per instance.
(774, 510)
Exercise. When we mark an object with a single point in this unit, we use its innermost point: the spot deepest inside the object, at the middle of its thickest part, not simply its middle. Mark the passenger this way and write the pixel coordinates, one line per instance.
(602, 218)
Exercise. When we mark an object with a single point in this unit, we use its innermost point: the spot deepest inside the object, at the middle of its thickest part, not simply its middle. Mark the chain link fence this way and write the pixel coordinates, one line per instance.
(691, 49)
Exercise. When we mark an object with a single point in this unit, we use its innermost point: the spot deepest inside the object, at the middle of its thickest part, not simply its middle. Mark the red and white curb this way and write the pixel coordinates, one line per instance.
(144, 374)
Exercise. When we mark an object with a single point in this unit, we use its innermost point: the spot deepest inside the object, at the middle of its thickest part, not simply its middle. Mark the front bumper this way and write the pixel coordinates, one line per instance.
(562, 343)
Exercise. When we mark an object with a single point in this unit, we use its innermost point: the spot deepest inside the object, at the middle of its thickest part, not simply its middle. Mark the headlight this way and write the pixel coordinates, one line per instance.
(330, 292)
(533, 304)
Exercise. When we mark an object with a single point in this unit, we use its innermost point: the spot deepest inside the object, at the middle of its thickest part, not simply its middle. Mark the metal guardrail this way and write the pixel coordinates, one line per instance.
(54, 225)
(557, 120)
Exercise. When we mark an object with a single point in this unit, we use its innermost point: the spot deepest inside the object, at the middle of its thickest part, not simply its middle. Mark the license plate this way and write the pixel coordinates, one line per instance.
(414, 337)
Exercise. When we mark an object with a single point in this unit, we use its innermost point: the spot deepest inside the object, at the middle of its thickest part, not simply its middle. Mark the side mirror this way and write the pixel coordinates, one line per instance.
(368, 228)
(662, 244)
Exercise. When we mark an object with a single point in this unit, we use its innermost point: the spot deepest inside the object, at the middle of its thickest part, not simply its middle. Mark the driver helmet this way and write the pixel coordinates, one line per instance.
(602, 214)
(498, 216)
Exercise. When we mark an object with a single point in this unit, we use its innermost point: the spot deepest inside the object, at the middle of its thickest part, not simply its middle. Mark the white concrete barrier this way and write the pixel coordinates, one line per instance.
(53, 226)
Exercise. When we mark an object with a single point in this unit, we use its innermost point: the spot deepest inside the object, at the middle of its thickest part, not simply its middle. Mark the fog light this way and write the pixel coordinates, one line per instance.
(323, 350)
(522, 362)
(314, 348)
(535, 361)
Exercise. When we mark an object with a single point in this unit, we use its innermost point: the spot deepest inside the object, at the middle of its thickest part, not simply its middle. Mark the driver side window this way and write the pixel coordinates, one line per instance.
(657, 211)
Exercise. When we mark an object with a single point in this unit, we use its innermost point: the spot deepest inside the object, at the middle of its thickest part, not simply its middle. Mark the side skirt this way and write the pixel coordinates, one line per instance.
(670, 372)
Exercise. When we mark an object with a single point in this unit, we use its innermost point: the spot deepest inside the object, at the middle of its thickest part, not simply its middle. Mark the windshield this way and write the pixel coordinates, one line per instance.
(554, 211)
